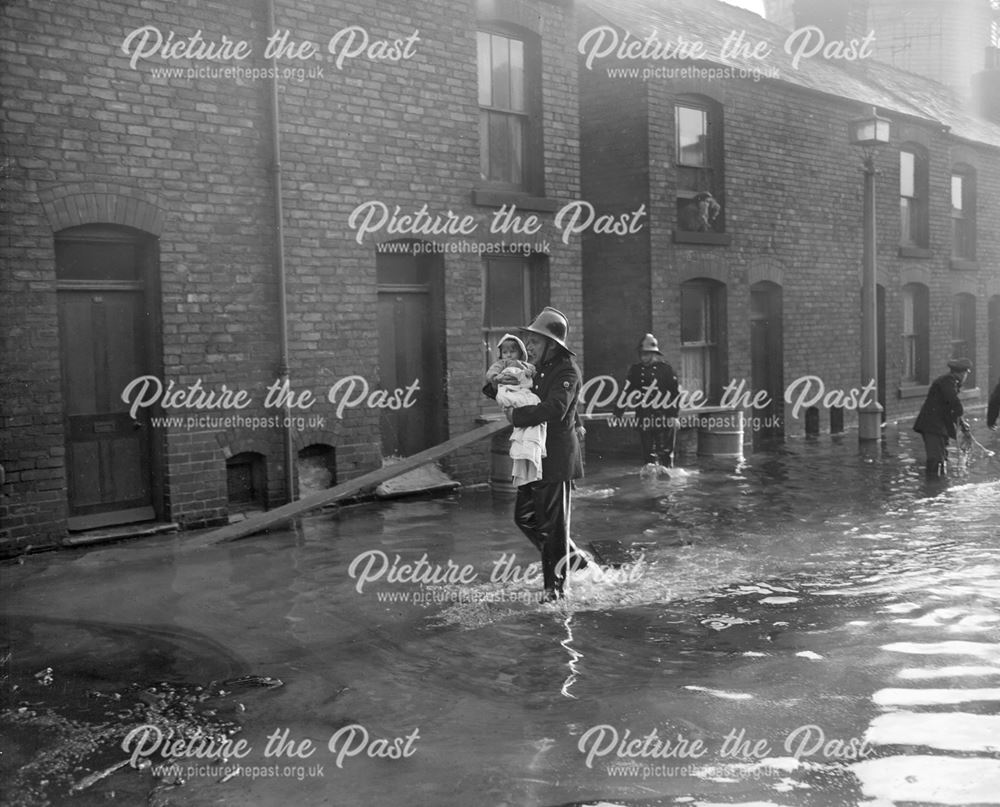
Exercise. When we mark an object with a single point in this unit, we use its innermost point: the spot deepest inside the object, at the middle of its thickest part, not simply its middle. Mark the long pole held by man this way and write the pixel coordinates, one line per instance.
(941, 417)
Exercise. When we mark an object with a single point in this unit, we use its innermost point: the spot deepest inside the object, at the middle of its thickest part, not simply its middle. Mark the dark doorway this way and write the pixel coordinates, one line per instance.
(107, 325)
(993, 318)
(767, 360)
(411, 348)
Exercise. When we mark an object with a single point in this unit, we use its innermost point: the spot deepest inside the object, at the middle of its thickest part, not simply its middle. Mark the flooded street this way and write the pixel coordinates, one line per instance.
(811, 627)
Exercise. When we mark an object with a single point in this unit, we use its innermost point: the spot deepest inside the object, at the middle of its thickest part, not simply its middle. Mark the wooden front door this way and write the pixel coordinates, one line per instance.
(767, 359)
(105, 331)
(411, 348)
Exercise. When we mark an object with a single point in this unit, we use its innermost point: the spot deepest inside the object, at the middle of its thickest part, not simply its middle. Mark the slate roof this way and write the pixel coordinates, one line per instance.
(866, 81)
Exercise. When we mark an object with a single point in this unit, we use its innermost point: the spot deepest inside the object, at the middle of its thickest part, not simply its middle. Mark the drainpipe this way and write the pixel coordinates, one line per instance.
(279, 234)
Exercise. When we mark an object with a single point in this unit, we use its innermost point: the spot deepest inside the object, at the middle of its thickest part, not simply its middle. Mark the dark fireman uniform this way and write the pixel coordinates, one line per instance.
(656, 436)
(542, 508)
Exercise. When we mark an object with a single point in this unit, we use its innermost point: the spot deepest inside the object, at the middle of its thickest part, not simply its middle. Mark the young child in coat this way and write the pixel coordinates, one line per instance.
(513, 376)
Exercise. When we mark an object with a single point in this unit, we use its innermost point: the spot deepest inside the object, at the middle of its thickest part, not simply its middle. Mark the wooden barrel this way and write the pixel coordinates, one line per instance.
(720, 433)
(501, 465)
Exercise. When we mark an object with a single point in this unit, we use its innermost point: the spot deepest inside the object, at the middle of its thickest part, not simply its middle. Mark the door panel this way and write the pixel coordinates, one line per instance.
(409, 350)
(108, 452)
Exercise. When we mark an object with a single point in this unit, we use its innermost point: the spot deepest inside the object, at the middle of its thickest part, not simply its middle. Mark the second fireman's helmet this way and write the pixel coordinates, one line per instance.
(649, 344)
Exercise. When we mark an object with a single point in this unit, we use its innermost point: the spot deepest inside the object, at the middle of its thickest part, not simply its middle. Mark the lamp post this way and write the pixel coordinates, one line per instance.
(869, 133)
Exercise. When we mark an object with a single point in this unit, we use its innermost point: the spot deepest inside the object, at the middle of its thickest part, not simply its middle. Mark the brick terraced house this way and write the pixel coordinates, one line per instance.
(217, 235)
(761, 283)
(187, 229)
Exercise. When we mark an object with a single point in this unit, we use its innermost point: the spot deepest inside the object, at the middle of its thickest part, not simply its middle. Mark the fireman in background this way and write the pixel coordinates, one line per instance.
(657, 427)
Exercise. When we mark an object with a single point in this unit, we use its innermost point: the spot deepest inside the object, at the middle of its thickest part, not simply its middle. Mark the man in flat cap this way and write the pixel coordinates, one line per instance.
(940, 417)
(542, 508)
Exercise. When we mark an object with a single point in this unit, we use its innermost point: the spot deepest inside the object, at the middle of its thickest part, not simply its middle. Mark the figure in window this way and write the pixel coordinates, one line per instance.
(700, 213)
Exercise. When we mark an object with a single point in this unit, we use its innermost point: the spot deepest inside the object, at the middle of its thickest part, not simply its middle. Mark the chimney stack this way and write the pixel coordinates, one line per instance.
(986, 87)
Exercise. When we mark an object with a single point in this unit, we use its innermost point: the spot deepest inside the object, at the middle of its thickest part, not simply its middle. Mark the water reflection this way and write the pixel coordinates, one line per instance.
(811, 586)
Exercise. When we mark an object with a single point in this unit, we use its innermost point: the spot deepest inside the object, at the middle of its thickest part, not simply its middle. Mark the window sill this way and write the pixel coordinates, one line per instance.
(964, 265)
(691, 237)
(915, 252)
(913, 390)
(485, 197)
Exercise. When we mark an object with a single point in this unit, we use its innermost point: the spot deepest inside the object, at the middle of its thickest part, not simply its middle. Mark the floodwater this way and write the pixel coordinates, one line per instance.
(809, 627)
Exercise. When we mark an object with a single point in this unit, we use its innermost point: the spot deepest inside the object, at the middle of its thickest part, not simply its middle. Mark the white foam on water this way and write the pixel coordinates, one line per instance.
(594, 493)
(948, 648)
(917, 674)
(685, 573)
(975, 623)
(777, 600)
(931, 697)
(930, 779)
(953, 731)
(809, 654)
(736, 804)
(933, 619)
(723, 621)
(900, 608)
(788, 764)
(719, 693)
(788, 785)
(761, 588)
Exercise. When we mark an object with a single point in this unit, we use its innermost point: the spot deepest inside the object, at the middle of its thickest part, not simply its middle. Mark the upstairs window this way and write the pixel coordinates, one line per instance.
(963, 214)
(510, 145)
(913, 193)
(699, 165)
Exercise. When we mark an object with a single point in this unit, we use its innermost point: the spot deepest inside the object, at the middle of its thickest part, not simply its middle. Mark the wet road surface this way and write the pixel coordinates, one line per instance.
(810, 627)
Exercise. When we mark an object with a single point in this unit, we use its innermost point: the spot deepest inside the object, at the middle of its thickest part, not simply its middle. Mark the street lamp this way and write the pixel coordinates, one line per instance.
(869, 132)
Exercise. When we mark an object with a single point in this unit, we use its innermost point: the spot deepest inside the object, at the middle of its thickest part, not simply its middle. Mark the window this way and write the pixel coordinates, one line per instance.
(916, 342)
(516, 289)
(963, 332)
(702, 318)
(963, 214)
(699, 158)
(510, 143)
(913, 197)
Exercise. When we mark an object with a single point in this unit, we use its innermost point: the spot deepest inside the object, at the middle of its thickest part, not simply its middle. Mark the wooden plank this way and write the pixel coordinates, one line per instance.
(262, 521)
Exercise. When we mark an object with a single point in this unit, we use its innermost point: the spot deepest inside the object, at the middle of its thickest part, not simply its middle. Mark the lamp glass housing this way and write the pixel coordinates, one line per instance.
(869, 131)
